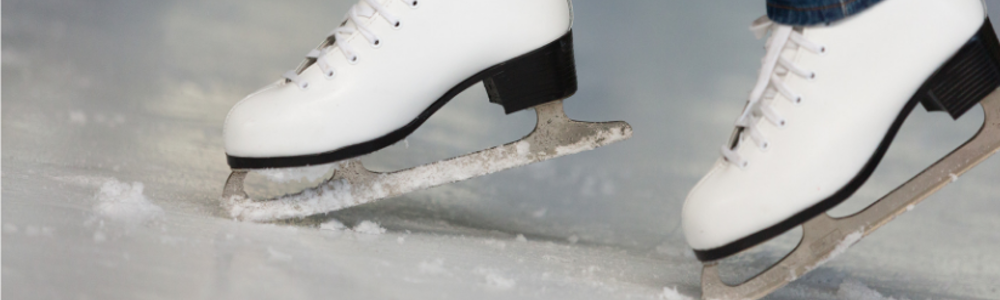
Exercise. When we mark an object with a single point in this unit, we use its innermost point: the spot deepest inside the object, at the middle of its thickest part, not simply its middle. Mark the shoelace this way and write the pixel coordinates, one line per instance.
(769, 84)
(354, 23)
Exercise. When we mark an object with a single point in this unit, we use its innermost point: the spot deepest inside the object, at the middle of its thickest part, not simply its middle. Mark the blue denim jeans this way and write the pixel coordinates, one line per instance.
(813, 12)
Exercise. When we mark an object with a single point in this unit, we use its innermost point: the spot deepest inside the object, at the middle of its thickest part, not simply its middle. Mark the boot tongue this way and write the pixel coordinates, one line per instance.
(363, 9)
(761, 26)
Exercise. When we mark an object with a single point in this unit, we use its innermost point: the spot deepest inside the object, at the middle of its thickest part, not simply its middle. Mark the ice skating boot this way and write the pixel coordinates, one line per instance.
(827, 104)
(390, 66)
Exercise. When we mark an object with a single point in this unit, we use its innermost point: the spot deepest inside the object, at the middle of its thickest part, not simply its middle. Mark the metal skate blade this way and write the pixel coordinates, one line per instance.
(555, 135)
(824, 237)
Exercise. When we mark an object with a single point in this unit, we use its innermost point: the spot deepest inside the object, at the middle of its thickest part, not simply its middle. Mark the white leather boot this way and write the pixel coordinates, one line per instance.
(393, 63)
(827, 104)
(381, 74)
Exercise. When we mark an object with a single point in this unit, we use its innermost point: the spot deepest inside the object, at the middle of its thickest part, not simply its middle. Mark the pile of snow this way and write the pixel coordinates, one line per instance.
(673, 294)
(123, 202)
(852, 289)
(495, 280)
(573, 239)
(365, 227)
(369, 227)
(332, 225)
(521, 238)
(310, 173)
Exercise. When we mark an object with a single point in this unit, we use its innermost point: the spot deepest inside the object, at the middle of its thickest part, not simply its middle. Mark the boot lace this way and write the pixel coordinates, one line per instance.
(769, 84)
(354, 23)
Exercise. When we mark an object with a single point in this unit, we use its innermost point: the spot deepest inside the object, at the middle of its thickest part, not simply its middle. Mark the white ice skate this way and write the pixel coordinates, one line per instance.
(390, 66)
(826, 107)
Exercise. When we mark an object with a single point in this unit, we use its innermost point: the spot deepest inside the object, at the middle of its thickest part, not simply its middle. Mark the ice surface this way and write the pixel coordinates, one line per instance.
(275, 255)
(31, 231)
(434, 267)
(100, 237)
(496, 244)
(78, 117)
(9, 228)
(852, 289)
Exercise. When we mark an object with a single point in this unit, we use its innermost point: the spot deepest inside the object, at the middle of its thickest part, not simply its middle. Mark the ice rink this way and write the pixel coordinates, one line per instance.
(113, 166)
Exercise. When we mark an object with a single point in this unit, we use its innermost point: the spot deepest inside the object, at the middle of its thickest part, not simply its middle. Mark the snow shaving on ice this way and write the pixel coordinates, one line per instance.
(842, 247)
(310, 173)
(852, 289)
(673, 294)
(495, 280)
(124, 202)
(332, 225)
(369, 227)
(365, 227)
(847, 242)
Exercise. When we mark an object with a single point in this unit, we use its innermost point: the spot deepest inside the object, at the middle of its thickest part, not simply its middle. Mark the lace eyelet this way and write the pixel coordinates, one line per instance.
(353, 60)
(330, 74)
(414, 4)
(304, 86)
(397, 25)
(822, 50)
(376, 44)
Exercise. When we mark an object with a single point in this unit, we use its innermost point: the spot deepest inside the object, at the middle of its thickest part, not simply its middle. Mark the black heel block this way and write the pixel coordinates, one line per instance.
(541, 76)
(967, 78)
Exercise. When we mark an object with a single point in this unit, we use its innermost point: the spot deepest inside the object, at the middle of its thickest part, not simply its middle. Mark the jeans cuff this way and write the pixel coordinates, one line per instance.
(813, 12)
